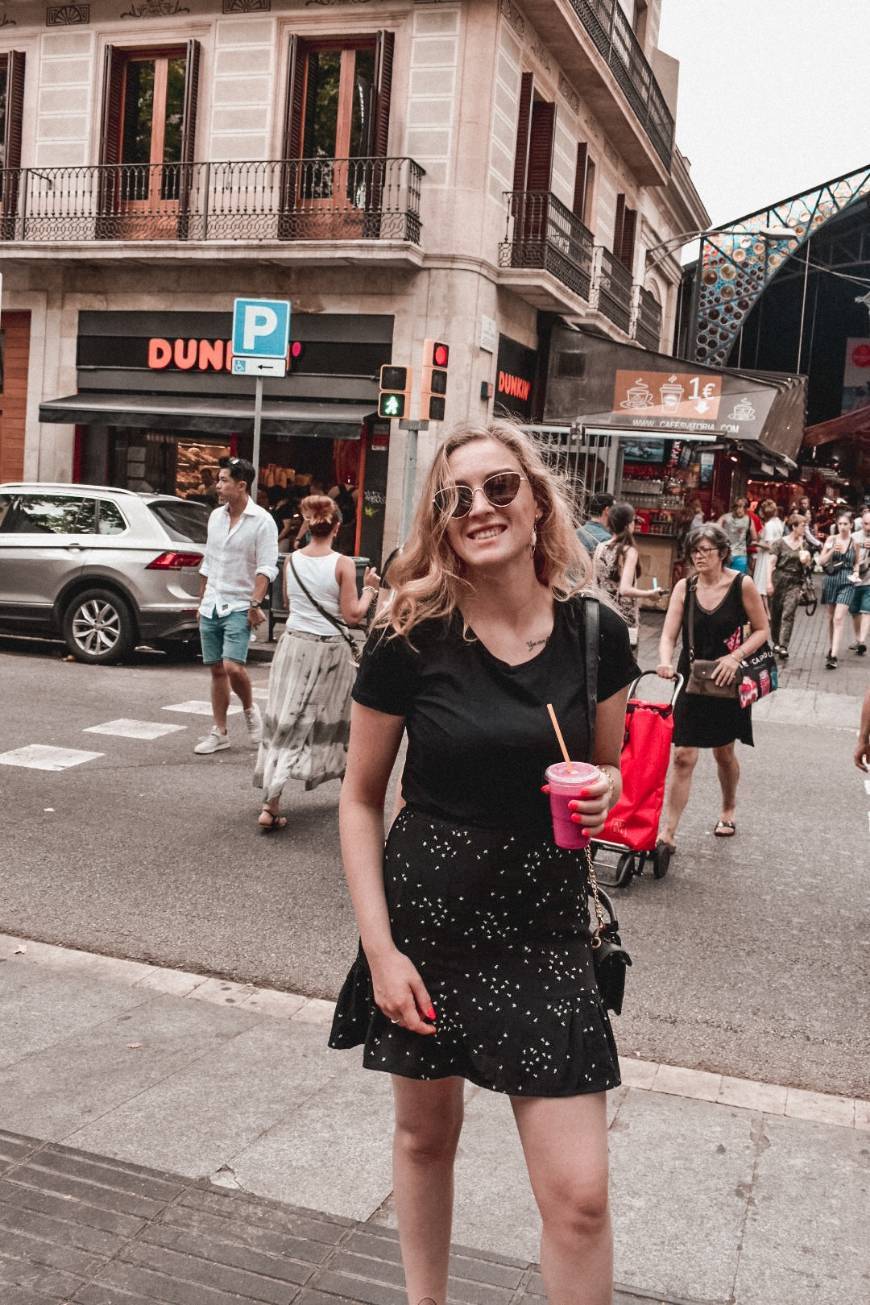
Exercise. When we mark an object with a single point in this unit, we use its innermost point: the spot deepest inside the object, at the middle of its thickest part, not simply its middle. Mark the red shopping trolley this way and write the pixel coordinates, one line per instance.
(628, 839)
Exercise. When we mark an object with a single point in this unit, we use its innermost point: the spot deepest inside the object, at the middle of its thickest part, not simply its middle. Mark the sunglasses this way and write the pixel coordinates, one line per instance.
(499, 490)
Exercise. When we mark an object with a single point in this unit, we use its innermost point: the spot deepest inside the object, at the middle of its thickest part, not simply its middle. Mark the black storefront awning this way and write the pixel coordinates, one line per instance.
(209, 416)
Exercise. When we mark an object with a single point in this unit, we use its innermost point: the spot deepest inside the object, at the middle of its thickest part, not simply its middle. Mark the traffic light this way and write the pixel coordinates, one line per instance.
(394, 397)
(433, 386)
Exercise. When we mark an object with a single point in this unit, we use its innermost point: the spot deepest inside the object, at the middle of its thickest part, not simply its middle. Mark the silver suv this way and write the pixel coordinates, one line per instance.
(106, 568)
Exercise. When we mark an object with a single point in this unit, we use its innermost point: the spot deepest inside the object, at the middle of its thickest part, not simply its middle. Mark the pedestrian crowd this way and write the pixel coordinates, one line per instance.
(506, 634)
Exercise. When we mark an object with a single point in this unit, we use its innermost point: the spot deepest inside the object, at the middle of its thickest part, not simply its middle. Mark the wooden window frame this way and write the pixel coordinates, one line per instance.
(160, 56)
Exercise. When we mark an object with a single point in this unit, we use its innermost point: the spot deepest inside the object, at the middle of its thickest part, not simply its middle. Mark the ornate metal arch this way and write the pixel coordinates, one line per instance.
(735, 264)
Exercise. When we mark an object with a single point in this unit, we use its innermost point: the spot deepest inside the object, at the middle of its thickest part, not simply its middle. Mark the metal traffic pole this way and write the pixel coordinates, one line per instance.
(412, 428)
(258, 420)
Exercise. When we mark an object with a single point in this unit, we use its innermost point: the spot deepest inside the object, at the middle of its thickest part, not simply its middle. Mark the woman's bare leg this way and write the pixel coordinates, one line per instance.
(837, 627)
(729, 777)
(565, 1144)
(682, 769)
(428, 1124)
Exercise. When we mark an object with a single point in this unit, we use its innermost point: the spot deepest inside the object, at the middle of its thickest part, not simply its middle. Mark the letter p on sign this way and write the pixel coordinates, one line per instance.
(261, 328)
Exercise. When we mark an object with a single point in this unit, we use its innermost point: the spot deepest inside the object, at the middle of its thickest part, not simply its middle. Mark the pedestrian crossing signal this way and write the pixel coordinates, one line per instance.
(394, 393)
(433, 386)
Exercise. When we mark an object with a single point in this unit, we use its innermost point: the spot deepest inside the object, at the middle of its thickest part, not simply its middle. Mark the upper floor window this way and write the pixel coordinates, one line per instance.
(533, 161)
(624, 232)
(338, 97)
(11, 119)
(584, 186)
(153, 108)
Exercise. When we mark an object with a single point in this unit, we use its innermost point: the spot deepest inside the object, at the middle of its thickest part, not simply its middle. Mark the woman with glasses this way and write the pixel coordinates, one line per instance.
(723, 602)
(475, 961)
(838, 559)
(790, 562)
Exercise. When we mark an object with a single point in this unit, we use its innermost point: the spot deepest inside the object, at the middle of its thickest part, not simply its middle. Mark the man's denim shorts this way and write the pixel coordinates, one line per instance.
(225, 638)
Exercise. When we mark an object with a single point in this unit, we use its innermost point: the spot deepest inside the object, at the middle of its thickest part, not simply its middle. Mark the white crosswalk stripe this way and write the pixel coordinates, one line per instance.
(125, 728)
(38, 756)
(199, 707)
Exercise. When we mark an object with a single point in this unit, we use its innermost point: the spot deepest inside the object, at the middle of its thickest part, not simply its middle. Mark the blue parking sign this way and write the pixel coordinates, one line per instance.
(261, 328)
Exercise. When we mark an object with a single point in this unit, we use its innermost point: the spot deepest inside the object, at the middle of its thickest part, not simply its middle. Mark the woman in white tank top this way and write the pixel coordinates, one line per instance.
(306, 720)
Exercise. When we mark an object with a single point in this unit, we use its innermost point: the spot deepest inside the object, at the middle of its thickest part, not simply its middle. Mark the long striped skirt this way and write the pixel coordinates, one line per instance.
(307, 718)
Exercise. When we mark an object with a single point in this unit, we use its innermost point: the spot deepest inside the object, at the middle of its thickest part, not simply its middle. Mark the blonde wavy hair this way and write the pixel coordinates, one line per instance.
(428, 578)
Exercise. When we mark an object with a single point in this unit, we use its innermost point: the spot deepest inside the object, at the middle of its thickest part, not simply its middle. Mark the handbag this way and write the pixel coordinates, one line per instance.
(356, 649)
(609, 958)
(756, 677)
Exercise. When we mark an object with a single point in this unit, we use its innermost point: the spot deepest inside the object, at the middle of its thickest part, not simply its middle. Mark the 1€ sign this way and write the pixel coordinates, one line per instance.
(261, 328)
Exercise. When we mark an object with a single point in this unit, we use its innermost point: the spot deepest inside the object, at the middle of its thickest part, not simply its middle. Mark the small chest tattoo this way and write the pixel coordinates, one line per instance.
(536, 643)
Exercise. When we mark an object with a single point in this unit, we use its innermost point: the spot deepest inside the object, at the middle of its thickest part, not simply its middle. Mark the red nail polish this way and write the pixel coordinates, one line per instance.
(584, 792)
(577, 820)
(430, 1014)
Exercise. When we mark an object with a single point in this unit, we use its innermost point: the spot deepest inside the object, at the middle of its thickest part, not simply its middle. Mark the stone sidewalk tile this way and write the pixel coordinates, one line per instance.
(769, 1098)
(862, 1114)
(819, 1107)
(93, 964)
(269, 1001)
(637, 1073)
(692, 1083)
(315, 1011)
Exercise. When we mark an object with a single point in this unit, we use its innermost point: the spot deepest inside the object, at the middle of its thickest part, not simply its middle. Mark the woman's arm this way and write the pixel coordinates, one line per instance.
(670, 630)
(591, 810)
(627, 587)
(353, 608)
(374, 742)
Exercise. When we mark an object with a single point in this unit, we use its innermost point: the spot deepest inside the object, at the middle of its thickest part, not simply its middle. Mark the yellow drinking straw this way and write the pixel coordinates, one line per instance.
(568, 762)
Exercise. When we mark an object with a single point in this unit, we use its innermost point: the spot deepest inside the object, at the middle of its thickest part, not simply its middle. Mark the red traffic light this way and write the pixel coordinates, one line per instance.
(440, 354)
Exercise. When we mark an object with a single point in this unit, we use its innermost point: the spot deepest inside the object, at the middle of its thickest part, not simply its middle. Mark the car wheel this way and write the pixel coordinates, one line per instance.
(98, 626)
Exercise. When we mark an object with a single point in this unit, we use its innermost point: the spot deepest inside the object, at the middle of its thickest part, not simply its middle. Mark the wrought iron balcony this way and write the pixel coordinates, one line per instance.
(611, 32)
(647, 319)
(542, 233)
(283, 199)
(611, 290)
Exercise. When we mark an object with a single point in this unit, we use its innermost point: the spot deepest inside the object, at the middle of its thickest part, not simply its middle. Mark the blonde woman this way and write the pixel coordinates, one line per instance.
(475, 963)
(306, 721)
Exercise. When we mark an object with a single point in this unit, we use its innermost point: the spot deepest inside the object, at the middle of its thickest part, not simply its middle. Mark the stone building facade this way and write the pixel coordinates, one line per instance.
(472, 171)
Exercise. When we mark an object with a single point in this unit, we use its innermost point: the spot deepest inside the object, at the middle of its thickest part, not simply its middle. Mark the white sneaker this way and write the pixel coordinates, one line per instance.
(254, 722)
(215, 741)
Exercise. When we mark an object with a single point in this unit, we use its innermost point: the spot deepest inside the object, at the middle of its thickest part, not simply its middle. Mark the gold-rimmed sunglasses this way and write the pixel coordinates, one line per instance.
(500, 490)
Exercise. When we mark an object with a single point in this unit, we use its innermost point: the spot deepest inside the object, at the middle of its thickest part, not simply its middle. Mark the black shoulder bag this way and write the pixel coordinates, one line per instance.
(343, 630)
(609, 957)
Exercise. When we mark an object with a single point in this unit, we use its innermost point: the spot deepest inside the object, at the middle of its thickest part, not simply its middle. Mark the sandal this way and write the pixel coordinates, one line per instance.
(275, 822)
(725, 829)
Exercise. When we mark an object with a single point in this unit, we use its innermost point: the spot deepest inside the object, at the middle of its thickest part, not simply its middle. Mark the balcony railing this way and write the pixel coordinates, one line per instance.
(542, 233)
(611, 292)
(283, 199)
(611, 31)
(647, 320)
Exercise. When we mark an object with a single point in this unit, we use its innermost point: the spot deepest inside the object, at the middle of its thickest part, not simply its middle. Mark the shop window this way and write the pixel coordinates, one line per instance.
(148, 136)
(336, 128)
(624, 232)
(11, 118)
(47, 514)
(584, 186)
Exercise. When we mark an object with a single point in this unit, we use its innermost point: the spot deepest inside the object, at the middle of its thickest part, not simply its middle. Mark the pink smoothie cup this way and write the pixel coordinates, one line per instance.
(565, 786)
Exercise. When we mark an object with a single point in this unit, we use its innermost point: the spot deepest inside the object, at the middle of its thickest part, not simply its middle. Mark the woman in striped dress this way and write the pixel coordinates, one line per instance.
(838, 562)
(306, 721)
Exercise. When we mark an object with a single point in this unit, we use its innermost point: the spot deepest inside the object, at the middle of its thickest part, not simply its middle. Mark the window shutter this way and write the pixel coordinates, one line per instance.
(629, 226)
(579, 205)
(523, 120)
(191, 96)
(291, 145)
(618, 225)
(113, 80)
(541, 146)
(383, 88)
(12, 142)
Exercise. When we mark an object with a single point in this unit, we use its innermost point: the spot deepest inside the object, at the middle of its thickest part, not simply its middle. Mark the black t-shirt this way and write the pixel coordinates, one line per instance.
(479, 735)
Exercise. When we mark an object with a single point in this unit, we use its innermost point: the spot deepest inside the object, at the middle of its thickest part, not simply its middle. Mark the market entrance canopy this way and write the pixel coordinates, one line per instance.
(626, 391)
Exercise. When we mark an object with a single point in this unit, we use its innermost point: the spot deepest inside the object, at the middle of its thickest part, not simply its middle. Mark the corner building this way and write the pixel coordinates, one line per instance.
(478, 172)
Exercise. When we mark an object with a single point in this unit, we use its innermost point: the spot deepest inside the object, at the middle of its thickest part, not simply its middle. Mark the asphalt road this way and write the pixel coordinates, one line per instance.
(750, 958)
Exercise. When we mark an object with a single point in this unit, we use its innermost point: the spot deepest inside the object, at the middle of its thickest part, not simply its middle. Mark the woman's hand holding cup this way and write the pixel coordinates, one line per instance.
(590, 809)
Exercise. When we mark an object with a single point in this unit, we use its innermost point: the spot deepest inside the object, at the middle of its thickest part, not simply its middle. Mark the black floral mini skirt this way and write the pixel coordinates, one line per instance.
(498, 926)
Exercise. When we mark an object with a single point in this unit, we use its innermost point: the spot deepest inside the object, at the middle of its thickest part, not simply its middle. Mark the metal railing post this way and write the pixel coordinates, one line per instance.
(206, 167)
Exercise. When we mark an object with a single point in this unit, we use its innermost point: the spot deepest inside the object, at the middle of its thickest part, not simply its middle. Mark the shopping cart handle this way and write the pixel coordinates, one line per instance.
(676, 683)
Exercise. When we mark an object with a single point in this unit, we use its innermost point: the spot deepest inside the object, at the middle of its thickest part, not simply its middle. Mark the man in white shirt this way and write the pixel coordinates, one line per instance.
(241, 561)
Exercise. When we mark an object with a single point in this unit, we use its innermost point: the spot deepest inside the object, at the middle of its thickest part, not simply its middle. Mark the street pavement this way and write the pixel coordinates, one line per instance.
(749, 958)
(738, 1141)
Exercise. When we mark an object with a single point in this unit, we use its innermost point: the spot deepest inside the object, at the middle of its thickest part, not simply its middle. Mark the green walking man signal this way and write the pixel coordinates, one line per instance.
(394, 395)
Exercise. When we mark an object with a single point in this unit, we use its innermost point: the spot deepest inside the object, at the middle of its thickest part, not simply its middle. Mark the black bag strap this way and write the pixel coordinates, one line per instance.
(591, 629)
(691, 586)
(333, 620)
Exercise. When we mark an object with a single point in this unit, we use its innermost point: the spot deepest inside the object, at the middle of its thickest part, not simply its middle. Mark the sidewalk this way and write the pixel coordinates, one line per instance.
(724, 1191)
